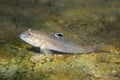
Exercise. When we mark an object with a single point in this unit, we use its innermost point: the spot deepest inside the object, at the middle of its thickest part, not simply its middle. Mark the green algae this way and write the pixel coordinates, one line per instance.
(84, 22)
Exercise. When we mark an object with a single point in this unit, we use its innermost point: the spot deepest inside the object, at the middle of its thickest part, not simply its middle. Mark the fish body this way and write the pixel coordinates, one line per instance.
(55, 42)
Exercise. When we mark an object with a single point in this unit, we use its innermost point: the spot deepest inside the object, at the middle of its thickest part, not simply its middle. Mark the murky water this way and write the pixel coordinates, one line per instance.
(83, 22)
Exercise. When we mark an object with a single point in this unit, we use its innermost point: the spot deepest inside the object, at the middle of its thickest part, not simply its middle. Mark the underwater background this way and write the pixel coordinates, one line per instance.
(85, 22)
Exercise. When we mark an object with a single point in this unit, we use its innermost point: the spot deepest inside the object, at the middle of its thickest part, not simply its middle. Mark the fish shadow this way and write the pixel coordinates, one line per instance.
(37, 50)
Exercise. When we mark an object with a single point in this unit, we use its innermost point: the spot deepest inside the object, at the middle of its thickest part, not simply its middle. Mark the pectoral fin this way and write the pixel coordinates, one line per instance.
(47, 52)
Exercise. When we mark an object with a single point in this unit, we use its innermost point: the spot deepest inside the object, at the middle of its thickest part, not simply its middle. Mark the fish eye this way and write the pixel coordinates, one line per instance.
(59, 35)
(29, 32)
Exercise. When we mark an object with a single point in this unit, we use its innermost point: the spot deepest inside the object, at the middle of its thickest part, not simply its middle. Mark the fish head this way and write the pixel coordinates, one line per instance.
(31, 37)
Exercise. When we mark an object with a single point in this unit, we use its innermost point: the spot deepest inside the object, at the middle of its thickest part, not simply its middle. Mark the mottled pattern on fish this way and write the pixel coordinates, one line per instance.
(53, 42)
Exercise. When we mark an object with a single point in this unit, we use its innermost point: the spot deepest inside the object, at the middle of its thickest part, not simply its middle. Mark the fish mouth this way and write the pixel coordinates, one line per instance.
(22, 37)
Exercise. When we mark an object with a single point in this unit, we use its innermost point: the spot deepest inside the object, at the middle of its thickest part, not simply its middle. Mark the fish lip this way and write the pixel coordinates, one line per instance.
(22, 37)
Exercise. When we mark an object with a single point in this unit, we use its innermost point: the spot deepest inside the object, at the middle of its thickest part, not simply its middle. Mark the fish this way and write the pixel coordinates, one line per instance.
(53, 41)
